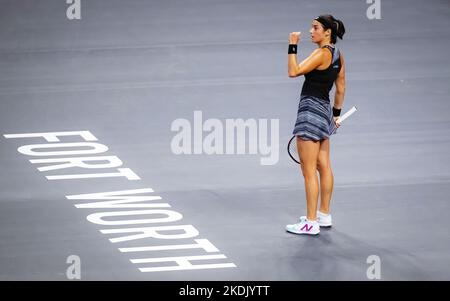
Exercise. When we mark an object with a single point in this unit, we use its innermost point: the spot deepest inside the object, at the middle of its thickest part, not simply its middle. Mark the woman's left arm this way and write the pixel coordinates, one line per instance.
(314, 60)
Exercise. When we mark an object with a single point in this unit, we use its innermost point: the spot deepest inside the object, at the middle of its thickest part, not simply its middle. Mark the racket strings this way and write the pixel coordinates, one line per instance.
(293, 149)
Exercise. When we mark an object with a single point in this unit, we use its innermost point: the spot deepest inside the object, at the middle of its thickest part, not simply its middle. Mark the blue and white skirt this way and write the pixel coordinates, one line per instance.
(314, 119)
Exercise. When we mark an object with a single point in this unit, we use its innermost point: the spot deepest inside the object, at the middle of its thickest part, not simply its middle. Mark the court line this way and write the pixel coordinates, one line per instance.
(183, 83)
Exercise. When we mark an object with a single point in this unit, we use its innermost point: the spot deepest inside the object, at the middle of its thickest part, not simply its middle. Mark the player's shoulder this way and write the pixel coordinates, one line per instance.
(319, 52)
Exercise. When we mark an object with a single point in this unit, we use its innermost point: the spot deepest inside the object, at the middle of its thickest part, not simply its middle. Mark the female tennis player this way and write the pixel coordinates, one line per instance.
(316, 119)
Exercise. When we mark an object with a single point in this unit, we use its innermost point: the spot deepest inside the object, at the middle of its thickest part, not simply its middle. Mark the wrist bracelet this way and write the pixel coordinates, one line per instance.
(336, 112)
(292, 49)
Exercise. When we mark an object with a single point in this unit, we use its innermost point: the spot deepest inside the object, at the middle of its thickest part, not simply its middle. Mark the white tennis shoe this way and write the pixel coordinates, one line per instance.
(304, 227)
(324, 220)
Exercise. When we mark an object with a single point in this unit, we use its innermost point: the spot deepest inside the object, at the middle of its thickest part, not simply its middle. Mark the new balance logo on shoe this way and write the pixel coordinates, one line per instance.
(306, 227)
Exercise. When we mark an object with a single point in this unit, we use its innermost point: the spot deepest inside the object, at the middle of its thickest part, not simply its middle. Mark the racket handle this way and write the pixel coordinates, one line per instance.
(347, 114)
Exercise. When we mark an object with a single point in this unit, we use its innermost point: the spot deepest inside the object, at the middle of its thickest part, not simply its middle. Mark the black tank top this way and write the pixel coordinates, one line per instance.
(318, 83)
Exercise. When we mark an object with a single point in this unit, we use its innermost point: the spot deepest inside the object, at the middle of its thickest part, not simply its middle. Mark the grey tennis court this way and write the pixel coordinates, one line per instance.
(122, 82)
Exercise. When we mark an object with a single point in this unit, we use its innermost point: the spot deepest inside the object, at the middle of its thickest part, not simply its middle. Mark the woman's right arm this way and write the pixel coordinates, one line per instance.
(340, 86)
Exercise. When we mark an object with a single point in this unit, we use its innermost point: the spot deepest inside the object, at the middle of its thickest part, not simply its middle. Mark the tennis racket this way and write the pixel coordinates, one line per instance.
(292, 145)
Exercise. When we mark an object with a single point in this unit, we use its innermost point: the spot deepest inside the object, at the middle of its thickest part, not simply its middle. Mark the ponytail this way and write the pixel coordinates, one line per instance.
(340, 29)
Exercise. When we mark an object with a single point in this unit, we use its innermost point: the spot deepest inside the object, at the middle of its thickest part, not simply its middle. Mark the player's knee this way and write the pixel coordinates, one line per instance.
(323, 165)
(308, 170)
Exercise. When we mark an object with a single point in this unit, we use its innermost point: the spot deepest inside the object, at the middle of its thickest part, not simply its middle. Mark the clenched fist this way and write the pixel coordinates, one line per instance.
(294, 37)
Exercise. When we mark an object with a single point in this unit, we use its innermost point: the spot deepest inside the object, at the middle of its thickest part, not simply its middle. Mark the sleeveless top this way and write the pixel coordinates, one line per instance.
(318, 83)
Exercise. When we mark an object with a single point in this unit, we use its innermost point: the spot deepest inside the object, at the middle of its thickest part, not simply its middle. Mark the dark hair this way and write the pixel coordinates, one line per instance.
(336, 26)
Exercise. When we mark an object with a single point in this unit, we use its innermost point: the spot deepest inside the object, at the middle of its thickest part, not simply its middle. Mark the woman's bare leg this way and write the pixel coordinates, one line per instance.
(326, 176)
(309, 155)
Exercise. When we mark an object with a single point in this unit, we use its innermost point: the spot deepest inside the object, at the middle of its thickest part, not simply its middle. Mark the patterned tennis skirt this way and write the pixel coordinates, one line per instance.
(314, 119)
